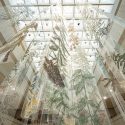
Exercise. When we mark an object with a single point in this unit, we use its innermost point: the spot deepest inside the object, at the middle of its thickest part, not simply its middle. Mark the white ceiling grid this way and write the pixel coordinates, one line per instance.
(42, 12)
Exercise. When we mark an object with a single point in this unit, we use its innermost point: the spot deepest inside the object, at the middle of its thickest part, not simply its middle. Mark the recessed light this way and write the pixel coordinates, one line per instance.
(105, 97)
(13, 88)
(78, 24)
(111, 90)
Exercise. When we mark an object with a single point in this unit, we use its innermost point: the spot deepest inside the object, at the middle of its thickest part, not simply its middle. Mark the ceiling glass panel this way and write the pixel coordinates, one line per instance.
(84, 36)
(91, 52)
(30, 2)
(79, 34)
(78, 24)
(77, 13)
(55, 1)
(107, 1)
(68, 11)
(35, 12)
(68, 22)
(45, 12)
(29, 36)
(48, 35)
(68, 1)
(91, 58)
(86, 44)
(56, 10)
(16, 2)
(93, 1)
(39, 36)
(43, 1)
(80, 1)
(106, 8)
(47, 25)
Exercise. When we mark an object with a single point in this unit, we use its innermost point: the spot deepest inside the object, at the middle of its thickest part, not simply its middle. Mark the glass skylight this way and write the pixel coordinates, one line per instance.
(42, 12)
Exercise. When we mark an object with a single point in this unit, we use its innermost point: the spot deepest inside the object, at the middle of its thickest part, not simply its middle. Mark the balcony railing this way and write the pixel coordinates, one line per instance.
(120, 102)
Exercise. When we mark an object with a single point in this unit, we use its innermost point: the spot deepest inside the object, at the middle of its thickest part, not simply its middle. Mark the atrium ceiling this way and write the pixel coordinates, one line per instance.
(42, 12)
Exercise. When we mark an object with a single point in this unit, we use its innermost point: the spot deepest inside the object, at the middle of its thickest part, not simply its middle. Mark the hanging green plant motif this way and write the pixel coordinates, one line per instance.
(72, 100)
(55, 61)
(83, 116)
(59, 49)
(119, 60)
(85, 110)
(79, 79)
(58, 100)
(80, 110)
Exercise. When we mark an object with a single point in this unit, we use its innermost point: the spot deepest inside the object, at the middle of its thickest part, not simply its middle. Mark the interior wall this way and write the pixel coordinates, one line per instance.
(121, 10)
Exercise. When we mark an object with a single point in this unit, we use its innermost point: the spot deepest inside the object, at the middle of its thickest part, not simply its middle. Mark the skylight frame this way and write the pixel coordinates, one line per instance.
(47, 15)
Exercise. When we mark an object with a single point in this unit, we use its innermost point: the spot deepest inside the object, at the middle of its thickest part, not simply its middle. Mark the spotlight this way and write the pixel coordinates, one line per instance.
(78, 24)
(105, 97)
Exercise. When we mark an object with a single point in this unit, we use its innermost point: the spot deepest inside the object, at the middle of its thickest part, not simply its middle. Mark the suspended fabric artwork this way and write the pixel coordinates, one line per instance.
(32, 101)
(73, 38)
(18, 38)
(53, 72)
(73, 100)
(56, 59)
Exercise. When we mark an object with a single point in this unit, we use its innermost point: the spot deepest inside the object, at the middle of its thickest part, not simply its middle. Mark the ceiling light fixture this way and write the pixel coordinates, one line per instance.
(78, 24)
(111, 90)
(105, 97)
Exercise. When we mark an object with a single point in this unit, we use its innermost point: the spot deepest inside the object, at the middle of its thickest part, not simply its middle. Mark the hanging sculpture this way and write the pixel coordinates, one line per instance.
(20, 68)
(119, 60)
(31, 104)
(95, 27)
(6, 56)
(18, 38)
(53, 72)
(74, 40)
(18, 73)
(84, 111)
(80, 80)
(56, 60)
(81, 108)
(23, 69)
